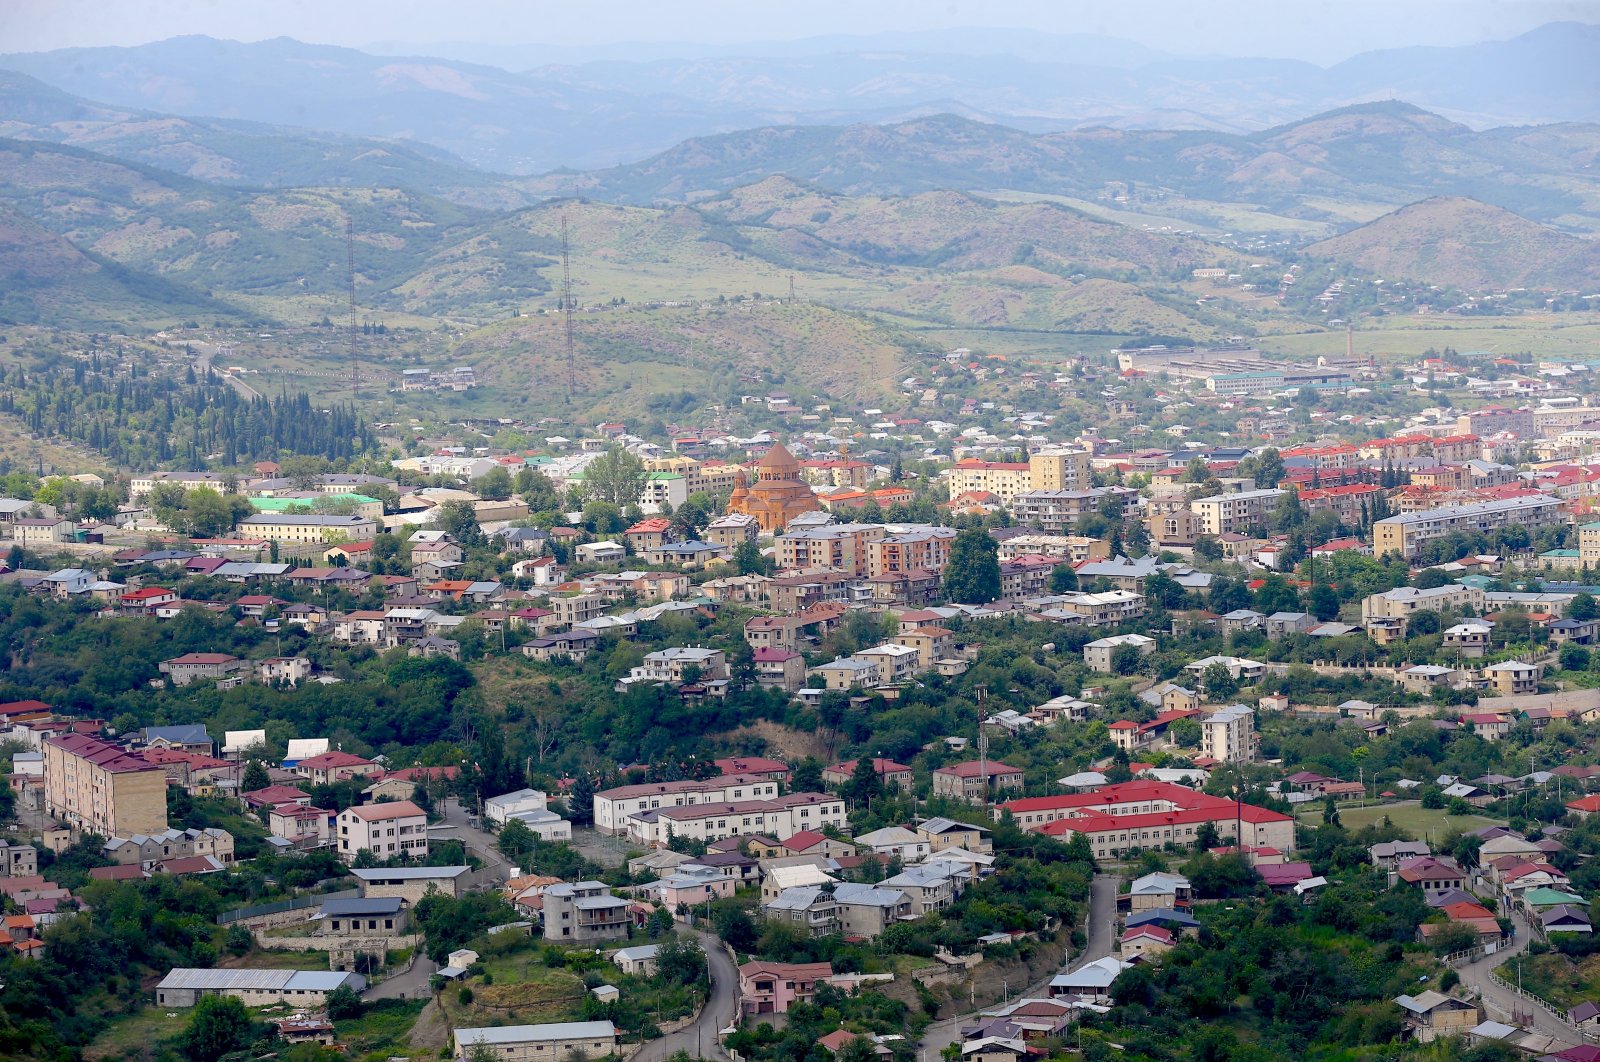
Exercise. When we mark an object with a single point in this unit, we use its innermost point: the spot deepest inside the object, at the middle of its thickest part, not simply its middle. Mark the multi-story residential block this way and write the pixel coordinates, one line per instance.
(834, 547)
(732, 530)
(1403, 601)
(614, 807)
(1345, 502)
(1004, 479)
(931, 643)
(320, 530)
(142, 484)
(577, 608)
(1228, 735)
(924, 549)
(96, 787)
(671, 665)
(395, 828)
(196, 667)
(1173, 528)
(1403, 534)
(975, 781)
(1056, 511)
(1240, 511)
(895, 663)
(1097, 610)
(777, 816)
(1074, 549)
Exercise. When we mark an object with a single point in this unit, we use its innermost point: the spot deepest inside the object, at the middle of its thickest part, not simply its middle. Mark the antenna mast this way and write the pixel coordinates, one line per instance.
(350, 261)
(566, 309)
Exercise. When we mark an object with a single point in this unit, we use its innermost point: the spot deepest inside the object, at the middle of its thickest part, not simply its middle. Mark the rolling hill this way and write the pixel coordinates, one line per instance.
(1383, 153)
(1467, 244)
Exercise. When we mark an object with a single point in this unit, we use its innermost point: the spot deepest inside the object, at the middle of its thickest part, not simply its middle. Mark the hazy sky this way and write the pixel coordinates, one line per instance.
(1319, 30)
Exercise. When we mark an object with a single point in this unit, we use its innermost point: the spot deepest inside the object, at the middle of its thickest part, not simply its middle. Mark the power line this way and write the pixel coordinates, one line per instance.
(567, 308)
(350, 259)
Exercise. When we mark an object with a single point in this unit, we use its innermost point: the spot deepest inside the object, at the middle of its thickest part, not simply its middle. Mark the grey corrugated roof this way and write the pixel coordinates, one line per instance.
(358, 906)
(516, 1034)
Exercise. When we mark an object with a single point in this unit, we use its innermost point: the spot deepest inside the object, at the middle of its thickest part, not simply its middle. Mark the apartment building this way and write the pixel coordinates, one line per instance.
(395, 828)
(1403, 534)
(1228, 735)
(1074, 549)
(1054, 469)
(838, 547)
(974, 781)
(1240, 511)
(1589, 544)
(142, 484)
(1139, 815)
(1056, 511)
(1097, 610)
(778, 816)
(671, 665)
(96, 787)
(319, 530)
(1345, 502)
(924, 549)
(614, 807)
(1403, 601)
(578, 608)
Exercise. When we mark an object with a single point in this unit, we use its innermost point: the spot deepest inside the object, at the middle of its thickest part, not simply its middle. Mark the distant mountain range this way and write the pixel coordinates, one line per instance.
(607, 112)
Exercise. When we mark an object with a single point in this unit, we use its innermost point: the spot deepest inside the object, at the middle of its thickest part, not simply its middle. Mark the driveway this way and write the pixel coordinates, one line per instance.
(700, 1039)
(413, 984)
(1098, 928)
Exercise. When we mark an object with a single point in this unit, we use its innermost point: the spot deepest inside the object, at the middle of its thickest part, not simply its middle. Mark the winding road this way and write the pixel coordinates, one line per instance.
(1502, 1004)
(1099, 937)
(700, 1040)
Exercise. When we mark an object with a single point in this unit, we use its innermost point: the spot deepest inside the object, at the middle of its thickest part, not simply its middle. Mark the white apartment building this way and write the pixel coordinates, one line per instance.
(614, 807)
(670, 665)
(1235, 512)
(1403, 601)
(896, 663)
(388, 830)
(780, 817)
(1229, 734)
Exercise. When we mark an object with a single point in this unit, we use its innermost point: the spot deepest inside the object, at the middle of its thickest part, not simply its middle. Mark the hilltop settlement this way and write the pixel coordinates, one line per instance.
(812, 733)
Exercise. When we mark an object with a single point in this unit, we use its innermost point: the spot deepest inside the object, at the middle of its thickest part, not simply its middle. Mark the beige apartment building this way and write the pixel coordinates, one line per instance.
(1240, 511)
(578, 608)
(320, 530)
(840, 547)
(1051, 469)
(1403, 534)
(1229, 734)
(97, 787)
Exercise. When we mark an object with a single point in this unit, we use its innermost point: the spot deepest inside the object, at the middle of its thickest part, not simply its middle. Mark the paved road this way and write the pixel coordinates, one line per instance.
(413, 984)
(1101, 922)
(700, 1039)
(479, 842)
(1504, 1005)
(204, 352)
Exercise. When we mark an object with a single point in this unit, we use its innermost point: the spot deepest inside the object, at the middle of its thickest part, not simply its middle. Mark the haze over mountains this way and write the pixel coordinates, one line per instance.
(606, 112)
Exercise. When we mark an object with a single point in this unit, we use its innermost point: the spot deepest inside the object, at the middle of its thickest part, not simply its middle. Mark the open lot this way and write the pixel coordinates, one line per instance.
(1422, 823)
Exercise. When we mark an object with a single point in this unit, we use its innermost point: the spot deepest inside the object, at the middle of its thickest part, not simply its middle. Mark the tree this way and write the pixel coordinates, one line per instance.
(538, 492)
(864, 785)
(1330, 811)
(220, 1025)
(255, 777)
(1269, 468)
(459, 520)
(1207, 547)
(1583, 607)
(517, 841)
(1063, 579)
(1219, 684)
(1125, 660)
(616, 476)
(681, 962)
(495, 484)
(807, 777)
(972, 574)
(749, 559)
(580, 803)
(1422, 621)
(603, 518)
(1184, 733)
(1276, 595)
(1323, 602)
(1574, 657)
(343, 1004)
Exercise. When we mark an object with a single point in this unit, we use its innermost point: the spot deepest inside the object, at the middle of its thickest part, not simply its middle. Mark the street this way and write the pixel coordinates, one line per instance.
(1100, 922)
(413, 984)
(700, 1039)
(479, 842)
(1503, 1005)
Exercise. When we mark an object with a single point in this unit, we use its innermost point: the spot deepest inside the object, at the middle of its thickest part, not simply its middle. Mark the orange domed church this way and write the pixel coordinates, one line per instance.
(777, 496)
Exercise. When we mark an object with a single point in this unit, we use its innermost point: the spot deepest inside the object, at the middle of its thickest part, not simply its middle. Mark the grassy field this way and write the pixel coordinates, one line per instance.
(383, 1028)
(1568, 335)
(1421, 823)
(1555, 977)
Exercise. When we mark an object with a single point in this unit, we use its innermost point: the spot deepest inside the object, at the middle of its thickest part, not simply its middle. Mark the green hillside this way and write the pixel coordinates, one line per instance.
(1467, 244)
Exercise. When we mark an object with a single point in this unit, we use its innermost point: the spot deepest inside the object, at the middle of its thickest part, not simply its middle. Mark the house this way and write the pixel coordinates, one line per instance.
(509, 805)
(771, 987)
(1157, 891)
(584, 911)
(386, 830)
(1432, 1015)
(569, 645)
(193, 667)
(412, 883)
(538, 1043)
(892, 841)
(974, 781)
(1098, 654)
(362, 917)
(601, 553)
(334, 766)
(1487, 725)
(191, 737)
(781, 669)
(1432, 875)
(943, 833)
(1469, 638)
(1092, 980)
(1511, 678)
(1144, 942)
(638, 961)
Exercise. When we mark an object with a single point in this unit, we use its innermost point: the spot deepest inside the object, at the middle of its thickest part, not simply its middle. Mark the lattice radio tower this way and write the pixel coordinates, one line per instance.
(566, 310)
(350, 261)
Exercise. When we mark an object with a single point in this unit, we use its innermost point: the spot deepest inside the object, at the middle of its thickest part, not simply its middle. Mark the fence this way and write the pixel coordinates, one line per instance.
(1550, 1008)
(239, 914)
